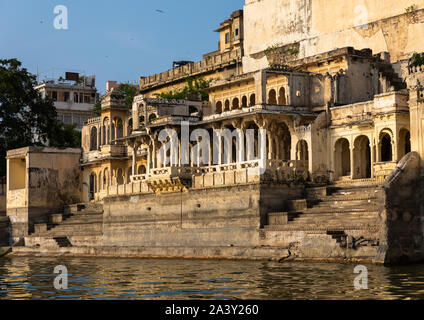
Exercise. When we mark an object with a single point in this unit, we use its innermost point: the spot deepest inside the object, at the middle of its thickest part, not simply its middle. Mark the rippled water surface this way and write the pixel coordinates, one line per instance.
(91, 278)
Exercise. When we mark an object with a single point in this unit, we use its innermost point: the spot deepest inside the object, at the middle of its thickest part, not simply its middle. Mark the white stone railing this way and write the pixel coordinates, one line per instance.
(210, 176)
(184, 172)
(94, 120)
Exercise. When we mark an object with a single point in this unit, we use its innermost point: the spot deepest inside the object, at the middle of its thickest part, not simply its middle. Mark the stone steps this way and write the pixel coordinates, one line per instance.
(349, 207)
(322, 229)
(79, 225)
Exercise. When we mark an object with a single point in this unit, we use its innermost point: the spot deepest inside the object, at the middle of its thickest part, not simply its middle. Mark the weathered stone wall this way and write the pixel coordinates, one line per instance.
(318, 26)
(2, 199)
(401, 214)
(52, 179)
(222, 216)
(4, 231)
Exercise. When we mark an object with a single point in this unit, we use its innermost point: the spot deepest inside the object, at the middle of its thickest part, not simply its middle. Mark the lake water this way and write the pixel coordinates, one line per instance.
(96, 278)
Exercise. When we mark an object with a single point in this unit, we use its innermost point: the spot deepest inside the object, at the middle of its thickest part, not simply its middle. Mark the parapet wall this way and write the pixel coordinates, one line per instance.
(401, 214)
(317, 26)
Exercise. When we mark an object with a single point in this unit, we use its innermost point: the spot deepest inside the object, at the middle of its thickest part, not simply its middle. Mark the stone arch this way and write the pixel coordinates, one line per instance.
(119, 176)
(219, 107)
(129, 174)
(386, 145)
(227, 105)
(272, 97)
(152, 117)
(93, 139)
(141, 169)
(119, 127)
(404, 145)
(302, 150)
(252, 154)
(283, 142)
(282, 101)
(106, 131)
(99, 185)
(244, 102)
(252, 100)
(106, 178)
(130, 126)
(342, 158)
(236, 104)
(362, 158)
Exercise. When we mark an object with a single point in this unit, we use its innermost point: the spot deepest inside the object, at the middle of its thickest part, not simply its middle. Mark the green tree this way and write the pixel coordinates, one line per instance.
(129, 92)
(26, 119)
(194, 86)
(96, 109)
(65, 136)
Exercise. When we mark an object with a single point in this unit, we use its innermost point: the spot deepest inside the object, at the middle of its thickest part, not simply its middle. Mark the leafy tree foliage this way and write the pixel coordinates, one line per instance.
(26, 119)
(129, 92)
(194, 86)
(417, 60)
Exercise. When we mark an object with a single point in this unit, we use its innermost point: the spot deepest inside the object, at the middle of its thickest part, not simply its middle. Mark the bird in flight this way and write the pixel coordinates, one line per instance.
(160, 11)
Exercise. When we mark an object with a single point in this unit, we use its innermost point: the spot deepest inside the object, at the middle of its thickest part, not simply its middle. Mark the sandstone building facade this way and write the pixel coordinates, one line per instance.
(340, 101)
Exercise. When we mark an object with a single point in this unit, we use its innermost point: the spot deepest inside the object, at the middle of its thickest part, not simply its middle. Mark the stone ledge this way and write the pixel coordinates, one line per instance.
(231, 253)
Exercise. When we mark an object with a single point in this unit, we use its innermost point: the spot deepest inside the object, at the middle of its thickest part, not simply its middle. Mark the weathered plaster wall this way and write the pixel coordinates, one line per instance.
(322, 25)
(52, 179)
(197, 218)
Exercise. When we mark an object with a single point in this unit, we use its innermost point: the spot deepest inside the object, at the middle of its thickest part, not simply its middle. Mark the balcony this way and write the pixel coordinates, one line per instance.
(116, 150)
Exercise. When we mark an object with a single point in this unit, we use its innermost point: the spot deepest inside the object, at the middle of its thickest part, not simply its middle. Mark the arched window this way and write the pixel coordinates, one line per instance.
(272, 97)
(152, 117)
(141, 170)
(219, 107)
(302, 152)
(252, 100)
(404, 143)
(93, 139)
(341, 158)
(120, 176)
(92, 186)
(282, 97)
(236, 104)
(227, 105)
(105, 178)
(386, 147)
(362, 158)
(244, 102)
(129, 174)
(130, 126)
(120, 128)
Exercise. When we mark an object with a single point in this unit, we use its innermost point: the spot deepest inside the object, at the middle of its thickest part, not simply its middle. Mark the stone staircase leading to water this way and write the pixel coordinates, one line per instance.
(348, 215)
(79, 225)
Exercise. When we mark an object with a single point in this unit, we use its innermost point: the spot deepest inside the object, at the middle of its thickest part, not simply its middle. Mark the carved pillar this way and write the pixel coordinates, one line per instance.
(372, 149)
(135, 147)
(352, 169)
(135, 112)
(111, 130)
(260, 87)
(116, 128)
(98, 137)
(149, 158)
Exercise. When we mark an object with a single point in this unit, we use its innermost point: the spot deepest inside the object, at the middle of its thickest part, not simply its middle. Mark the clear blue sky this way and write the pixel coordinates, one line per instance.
(115, 40)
